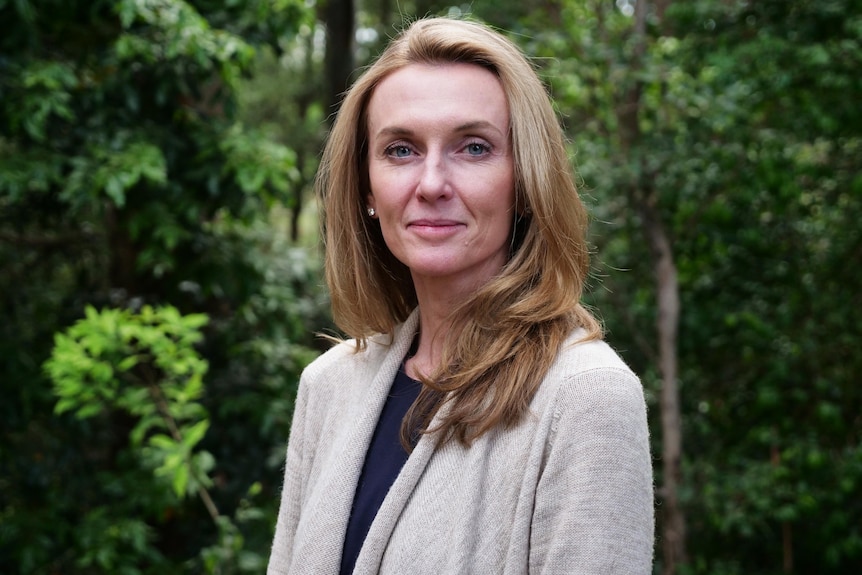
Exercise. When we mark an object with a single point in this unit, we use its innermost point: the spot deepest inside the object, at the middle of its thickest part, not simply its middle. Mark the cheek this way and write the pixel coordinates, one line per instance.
(391, 237)
(382, 187)
(503, 201)
(391, 194)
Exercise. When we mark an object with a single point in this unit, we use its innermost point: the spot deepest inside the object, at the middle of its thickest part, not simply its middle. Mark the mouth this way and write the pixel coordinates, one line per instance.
(434, 228)
(433, 223)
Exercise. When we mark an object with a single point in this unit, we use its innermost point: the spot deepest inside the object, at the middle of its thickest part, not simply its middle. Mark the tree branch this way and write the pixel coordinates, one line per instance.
(164, 411)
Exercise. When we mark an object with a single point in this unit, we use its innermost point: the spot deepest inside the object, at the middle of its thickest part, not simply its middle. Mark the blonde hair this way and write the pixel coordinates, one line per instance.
(506, 335)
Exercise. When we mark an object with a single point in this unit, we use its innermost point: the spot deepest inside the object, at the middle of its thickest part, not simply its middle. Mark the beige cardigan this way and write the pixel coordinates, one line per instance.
(568, 491)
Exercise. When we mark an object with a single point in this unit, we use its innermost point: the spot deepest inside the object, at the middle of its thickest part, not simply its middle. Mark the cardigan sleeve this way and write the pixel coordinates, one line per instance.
(593, 510)
(292, 491)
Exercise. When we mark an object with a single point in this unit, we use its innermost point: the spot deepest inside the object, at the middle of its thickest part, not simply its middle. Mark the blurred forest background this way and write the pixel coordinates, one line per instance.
(161, 287)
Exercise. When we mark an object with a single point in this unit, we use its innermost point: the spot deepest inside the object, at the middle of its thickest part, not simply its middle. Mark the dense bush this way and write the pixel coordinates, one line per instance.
(137, 224)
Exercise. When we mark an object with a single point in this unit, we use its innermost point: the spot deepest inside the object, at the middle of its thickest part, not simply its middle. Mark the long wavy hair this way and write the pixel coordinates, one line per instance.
(505, 336)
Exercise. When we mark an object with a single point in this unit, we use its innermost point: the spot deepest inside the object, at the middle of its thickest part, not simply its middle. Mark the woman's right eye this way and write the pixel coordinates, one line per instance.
(398, 151)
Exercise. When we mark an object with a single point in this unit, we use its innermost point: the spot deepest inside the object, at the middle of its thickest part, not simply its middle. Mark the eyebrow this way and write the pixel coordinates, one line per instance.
(465, 127)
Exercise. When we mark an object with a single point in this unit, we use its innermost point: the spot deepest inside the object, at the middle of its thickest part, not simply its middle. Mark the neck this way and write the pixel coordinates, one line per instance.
(432, 330)
(434, 322)
(437, 297)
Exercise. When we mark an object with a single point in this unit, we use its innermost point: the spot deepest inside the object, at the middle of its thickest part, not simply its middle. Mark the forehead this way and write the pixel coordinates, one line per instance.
(438, 94)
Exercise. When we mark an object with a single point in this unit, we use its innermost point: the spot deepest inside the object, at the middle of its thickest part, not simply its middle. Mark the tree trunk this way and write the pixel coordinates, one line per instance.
(643, 196)
(338, 60)
(786, 527)
(667, 295)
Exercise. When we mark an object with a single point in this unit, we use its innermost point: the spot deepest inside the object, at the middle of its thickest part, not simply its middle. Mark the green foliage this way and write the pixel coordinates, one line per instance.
(111, 545)
(129, 185)
(747, 135)
(144, 364)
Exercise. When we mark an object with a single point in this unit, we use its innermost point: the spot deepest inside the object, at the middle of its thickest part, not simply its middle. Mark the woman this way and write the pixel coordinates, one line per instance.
(475, 423)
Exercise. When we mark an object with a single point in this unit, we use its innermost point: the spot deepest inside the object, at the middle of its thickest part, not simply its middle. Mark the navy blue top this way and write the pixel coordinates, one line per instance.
(383, 462)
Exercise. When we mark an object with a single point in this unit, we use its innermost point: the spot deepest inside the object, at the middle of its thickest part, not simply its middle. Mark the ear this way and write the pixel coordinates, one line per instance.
(369, 201)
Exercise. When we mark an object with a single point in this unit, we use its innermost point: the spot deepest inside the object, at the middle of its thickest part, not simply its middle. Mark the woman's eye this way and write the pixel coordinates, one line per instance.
(398, 151)
(476, 148)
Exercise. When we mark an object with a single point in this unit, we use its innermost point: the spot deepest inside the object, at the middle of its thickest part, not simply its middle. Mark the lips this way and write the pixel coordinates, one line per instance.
(433, 228)
(434, 223)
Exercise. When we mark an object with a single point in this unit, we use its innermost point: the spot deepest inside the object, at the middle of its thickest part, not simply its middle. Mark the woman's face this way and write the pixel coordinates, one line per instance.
(441, 172)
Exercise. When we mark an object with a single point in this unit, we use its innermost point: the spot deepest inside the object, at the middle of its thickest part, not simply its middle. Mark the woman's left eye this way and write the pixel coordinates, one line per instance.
(476, 148)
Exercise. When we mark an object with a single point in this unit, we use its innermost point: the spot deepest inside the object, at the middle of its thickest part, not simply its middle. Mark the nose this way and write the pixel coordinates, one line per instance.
(434, 181)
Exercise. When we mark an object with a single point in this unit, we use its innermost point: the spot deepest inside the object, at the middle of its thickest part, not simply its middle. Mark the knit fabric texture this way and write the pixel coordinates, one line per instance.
(567, 491)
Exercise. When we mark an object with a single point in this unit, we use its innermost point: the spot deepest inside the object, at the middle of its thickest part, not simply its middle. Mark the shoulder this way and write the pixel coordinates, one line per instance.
(344, 359)
(578, 356)
(345, 364)
(343, 351)
(595, 485)
(589, 381)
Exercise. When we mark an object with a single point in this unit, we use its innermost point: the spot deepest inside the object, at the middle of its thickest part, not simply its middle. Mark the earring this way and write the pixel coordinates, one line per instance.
(371, 212)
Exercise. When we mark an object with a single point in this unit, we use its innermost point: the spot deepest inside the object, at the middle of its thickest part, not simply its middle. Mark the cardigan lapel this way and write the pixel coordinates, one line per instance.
(371, 555)
(332, 499)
